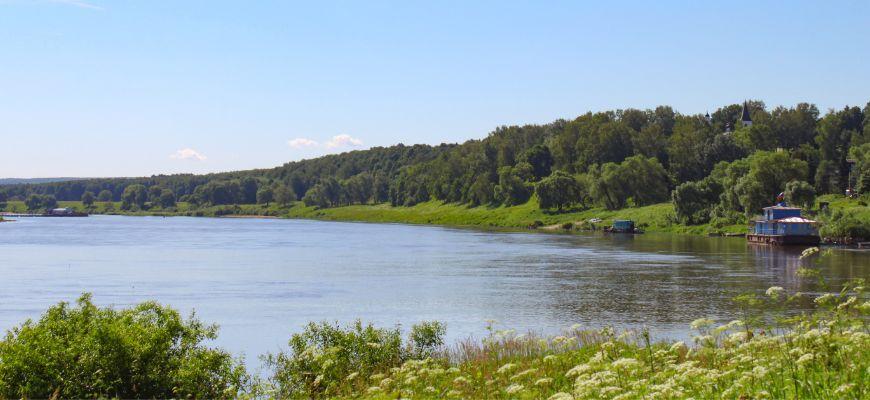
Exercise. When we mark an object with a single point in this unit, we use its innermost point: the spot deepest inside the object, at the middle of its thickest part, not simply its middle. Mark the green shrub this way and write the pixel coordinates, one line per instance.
(844, 224)
(326, 360)
(85, 351)
(426, 339)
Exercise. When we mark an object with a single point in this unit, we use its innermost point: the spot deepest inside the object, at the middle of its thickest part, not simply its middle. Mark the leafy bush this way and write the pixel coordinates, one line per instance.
(426, 338)
(86, 351)
(326, 360)
(842, 224)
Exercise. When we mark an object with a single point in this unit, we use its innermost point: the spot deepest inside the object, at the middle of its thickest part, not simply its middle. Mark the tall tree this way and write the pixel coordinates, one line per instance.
(105, 196)
(134, 195)
(88, 199)
(540, 159)
(558, 190)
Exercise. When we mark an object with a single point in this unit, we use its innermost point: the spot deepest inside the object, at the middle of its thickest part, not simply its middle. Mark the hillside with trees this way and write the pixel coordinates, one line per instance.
(712, 167)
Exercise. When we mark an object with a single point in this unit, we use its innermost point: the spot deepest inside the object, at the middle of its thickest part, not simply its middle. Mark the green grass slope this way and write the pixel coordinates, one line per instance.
(653, 218)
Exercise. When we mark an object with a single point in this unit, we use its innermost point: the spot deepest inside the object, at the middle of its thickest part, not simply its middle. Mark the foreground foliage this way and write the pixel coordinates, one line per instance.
(147, 351)
(824, 355)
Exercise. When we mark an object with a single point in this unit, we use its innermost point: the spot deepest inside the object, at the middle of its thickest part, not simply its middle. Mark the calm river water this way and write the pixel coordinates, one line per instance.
(262, 279)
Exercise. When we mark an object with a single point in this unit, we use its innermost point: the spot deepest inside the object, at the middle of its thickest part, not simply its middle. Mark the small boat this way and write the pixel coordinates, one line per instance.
(64, 212)
(784, 225)
(622, 226)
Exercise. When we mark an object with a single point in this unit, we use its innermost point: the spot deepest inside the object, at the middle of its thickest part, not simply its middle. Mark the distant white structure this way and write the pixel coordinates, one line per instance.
(61, 211)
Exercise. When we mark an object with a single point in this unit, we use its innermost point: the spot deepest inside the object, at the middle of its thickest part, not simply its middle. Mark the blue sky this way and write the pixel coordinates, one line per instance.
(132, 88)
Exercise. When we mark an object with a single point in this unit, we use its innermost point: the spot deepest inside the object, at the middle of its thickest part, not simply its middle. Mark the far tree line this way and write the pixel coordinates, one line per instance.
(711, 167)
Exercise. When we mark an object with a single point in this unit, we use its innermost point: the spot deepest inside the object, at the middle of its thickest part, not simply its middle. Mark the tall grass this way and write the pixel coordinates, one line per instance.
(150, 351)
(825, 354)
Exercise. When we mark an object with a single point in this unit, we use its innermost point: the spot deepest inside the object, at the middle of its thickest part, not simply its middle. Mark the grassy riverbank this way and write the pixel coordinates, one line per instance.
(150, 351)
(653, 218)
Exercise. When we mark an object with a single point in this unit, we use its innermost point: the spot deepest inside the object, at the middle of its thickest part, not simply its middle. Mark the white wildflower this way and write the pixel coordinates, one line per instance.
(626, 363)
(701, 323)
(515, 388)
(844, 388)
(824, 299)
(578, 370)
(809, 252)
(844, 305)
(774, 292)
(506, 368)
(522, 374)
(544, 382)
(806, 358)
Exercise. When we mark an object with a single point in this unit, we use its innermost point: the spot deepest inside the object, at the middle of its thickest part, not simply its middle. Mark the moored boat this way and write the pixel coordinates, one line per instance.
(622, 226)
(783, 225)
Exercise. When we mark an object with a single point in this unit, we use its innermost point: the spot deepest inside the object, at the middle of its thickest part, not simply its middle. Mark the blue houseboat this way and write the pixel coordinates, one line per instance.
(783, 225)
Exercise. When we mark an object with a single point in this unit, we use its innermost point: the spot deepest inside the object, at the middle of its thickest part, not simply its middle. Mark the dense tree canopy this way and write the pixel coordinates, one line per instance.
(710, 167)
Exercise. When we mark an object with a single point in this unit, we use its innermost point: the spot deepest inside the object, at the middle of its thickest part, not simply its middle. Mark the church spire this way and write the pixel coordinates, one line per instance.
(744, 115)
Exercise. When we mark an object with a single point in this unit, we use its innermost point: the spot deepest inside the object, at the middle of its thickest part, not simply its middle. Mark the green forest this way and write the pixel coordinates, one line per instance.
(722, 167)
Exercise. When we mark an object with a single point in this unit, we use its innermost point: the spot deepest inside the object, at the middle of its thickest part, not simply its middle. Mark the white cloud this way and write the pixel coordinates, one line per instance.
(299, 143)
(343, 141)
(79, 4)
(187, 154)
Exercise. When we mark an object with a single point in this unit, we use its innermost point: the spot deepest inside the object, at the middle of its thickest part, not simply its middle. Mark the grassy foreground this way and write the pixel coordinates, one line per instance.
(653, 218)
(149, 351)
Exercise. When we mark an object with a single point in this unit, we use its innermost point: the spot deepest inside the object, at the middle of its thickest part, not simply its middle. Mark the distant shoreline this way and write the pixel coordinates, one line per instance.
(528, 217)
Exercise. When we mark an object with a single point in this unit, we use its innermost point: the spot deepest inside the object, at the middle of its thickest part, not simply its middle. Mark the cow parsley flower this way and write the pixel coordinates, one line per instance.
(806, 358)
(824, 299)
(506, 368)
(514, 389)
(774, 292)
(701, 323)
(544, 382)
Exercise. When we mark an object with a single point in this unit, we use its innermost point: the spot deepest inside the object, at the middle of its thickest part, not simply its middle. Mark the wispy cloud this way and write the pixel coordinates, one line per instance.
(343, 141)
(337, 142)
(188, 154)
(299, 143)
(79, 4)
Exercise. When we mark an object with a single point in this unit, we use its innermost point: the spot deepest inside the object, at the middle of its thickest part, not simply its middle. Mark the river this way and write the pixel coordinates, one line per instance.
(263, 279)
